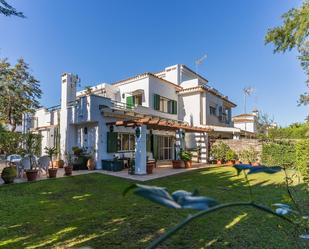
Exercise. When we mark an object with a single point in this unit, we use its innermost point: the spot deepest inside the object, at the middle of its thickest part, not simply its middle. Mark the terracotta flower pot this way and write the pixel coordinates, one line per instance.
(31, 175)
(188, 164)
(176, 164)
(68, 170)
(149, 167)
(231, 162)
(219, 162)
(91, 164)
(256, 163)
(58, 163)
(52, 172)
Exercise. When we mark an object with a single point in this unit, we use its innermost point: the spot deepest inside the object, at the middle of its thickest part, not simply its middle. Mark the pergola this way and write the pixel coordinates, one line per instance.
(159, 124)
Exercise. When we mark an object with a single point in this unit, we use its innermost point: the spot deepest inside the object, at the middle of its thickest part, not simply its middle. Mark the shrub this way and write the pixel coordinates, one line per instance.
(278, 153)
(231, 155)
(250, 155)
(302, 157)
(77, 151)
(8, 174)
(219, 151)
(293, 131)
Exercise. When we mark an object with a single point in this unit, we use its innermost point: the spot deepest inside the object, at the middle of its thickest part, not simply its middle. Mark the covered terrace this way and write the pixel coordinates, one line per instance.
(142, 125)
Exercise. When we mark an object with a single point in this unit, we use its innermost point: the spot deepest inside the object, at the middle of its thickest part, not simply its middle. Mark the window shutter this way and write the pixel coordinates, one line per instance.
(155, 147)
(130, 102)
(112, 142)
(170, 106)
(174, 107)
(156, 102)
(148, 143)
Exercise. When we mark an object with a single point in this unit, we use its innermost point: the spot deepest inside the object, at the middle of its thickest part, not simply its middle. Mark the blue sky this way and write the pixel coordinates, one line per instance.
(106, 41)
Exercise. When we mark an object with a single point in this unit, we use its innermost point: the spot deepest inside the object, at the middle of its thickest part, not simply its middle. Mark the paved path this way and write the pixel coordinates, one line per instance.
(160, 171)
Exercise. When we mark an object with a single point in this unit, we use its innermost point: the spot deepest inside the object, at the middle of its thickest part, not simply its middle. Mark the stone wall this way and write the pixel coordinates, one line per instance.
(239, 145)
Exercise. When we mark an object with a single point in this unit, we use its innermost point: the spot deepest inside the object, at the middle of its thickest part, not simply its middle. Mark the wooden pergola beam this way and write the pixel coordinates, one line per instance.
(159, 124)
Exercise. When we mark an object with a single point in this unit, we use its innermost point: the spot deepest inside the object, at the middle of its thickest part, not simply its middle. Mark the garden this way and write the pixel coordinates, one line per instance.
(90, 210)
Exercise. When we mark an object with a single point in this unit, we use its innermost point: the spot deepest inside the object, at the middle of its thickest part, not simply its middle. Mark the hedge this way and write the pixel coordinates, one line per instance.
(302, 157)
(278, 153)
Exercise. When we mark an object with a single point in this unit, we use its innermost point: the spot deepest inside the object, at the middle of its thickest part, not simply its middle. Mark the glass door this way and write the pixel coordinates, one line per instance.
(165, 148)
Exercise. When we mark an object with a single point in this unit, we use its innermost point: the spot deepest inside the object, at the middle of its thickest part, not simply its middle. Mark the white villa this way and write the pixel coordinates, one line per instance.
(151, 115)
(247, 122)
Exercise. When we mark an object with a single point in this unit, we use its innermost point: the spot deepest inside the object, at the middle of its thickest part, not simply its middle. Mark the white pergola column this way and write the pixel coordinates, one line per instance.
(140, 151)
(203, 143)
(179, 142)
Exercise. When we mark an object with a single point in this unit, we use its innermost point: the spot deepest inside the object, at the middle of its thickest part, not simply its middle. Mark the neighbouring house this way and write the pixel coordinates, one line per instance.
(150, 115)
(247, 122)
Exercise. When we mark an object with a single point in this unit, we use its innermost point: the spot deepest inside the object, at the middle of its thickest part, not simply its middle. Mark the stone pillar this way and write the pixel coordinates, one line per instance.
(140, 151)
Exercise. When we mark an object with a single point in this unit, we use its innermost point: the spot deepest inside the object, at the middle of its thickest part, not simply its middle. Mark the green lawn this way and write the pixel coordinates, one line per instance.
(89, 210)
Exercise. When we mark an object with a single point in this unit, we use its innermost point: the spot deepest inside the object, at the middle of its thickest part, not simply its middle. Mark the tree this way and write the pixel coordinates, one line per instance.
(19, 92)
(264, 122)
(8, 10)
(293, 34)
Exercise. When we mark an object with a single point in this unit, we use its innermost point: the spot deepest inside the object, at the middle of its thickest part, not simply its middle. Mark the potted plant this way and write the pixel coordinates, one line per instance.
(80, 160)
(52, 172)
(58, 163)
(215, 154)
(186, 156)
(150, 165)
(131, 169)
(177, 162)
(69, 166)
(91, 161)
(30, 144)
(8, 174)
(231, 157)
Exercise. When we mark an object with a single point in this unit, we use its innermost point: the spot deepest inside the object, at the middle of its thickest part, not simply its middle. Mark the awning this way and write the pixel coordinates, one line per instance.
(160, 124)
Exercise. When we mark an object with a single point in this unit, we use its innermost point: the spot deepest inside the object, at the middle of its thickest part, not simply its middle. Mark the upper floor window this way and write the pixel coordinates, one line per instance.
(164, 104)
(212, 110)
(138, 99)
(134, 100)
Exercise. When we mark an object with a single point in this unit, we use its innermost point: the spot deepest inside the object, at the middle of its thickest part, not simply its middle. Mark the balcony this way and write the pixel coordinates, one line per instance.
(134, 110)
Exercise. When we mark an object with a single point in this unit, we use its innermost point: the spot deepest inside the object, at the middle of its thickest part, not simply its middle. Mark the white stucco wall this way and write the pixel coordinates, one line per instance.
(189, 108)
(246, 126)
(189, 83)
(130, 87)
(214, 100)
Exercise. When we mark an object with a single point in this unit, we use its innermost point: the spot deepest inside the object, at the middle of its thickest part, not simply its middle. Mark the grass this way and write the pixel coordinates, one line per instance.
(89, 210)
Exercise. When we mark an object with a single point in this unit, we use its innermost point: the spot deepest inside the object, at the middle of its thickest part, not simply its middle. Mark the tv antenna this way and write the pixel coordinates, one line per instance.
(200, 62)
(247, 92)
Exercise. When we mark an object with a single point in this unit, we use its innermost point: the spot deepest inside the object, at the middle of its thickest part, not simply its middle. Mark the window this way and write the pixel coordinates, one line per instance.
(126, 141)
(138, 99)
(212, 110)
(164, 104)
(134, 100)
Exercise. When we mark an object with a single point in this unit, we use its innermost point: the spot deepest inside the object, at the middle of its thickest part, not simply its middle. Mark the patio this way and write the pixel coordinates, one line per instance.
(162, 170)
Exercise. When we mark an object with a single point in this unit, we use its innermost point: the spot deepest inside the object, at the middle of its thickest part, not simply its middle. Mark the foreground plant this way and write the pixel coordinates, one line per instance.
(181, 199)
